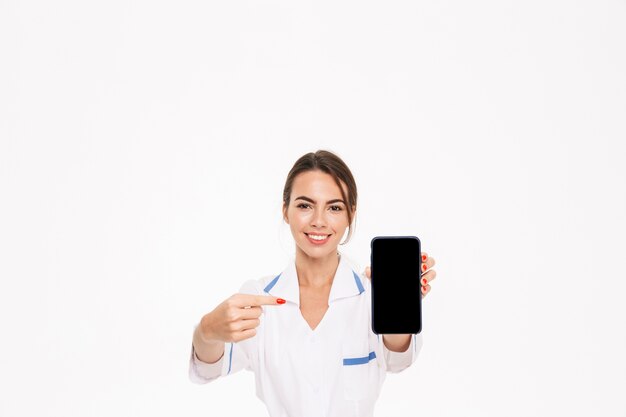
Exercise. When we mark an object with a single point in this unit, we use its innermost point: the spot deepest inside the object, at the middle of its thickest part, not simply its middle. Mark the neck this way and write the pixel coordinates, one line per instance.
(316, 272)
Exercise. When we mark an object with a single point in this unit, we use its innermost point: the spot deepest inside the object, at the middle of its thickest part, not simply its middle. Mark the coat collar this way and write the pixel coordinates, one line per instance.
(346, 283)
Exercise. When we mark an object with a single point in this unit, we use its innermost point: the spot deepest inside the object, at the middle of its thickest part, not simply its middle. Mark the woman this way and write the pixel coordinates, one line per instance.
(306, 333)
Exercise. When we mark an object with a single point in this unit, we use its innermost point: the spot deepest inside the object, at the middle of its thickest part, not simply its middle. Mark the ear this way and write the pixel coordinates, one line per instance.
(285, 214)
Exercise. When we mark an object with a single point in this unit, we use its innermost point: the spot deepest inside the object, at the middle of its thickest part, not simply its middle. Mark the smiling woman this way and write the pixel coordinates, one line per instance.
(337, 172)
(313, 352)
(316, 217)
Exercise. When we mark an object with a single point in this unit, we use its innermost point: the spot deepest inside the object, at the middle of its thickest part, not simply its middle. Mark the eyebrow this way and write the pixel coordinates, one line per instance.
(310, 200)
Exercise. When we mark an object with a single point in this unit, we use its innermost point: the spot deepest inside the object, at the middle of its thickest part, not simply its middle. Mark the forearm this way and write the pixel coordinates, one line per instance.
(397, 342)
(207, 349)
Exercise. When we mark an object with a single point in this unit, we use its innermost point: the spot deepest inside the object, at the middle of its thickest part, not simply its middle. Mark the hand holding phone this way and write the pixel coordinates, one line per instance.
(396, 289)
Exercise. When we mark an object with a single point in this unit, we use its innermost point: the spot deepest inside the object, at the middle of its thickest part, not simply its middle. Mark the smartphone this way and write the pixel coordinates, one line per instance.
(396, 289)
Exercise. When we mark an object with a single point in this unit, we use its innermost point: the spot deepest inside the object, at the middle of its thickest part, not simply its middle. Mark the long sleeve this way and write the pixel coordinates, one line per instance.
(202, 372)
(398, 361)
(235, 358)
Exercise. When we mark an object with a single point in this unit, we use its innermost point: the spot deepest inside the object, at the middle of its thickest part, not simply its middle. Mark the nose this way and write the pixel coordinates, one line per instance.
(319, 217)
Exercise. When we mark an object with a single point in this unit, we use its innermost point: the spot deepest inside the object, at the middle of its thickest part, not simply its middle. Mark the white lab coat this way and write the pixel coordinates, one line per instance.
(336, 370)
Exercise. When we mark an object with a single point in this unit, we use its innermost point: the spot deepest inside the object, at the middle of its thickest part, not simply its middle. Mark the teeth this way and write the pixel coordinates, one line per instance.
(318, 237)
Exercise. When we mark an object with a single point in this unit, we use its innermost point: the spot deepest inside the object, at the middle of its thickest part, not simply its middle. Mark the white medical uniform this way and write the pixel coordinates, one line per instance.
(336, 370)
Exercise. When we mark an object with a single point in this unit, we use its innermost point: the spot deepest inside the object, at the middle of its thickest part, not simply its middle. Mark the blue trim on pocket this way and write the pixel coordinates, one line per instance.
(230, 359)
(359, 361)
(271, 284)
(359, 284)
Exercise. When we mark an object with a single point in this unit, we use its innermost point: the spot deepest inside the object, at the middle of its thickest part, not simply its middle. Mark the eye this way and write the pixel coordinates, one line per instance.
(336, 208)
(303, 205)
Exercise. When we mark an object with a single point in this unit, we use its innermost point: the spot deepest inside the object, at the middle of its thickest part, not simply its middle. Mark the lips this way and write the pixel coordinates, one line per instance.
(317, 239)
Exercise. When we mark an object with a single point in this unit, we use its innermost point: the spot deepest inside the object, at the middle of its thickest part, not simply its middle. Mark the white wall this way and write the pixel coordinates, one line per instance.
(143, 150)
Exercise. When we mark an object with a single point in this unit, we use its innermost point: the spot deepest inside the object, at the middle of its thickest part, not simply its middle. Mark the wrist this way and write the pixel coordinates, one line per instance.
(205, 332)
(397, 342)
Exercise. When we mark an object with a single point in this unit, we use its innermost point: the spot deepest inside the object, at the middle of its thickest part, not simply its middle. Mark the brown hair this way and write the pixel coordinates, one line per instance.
(331, 164)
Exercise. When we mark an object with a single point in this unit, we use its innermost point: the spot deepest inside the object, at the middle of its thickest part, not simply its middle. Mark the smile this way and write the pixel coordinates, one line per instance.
(317, 239)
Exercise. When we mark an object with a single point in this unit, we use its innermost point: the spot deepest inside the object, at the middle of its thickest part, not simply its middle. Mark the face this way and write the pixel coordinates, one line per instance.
(316, 214)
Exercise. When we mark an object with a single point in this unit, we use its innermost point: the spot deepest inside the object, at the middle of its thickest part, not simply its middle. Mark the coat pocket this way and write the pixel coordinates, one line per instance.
(359, 373)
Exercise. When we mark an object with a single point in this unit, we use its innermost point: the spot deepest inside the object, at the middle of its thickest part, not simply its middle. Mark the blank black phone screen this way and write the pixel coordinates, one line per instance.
(396, 290)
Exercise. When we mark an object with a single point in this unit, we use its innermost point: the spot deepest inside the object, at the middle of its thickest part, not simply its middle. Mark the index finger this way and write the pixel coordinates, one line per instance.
(249, 300)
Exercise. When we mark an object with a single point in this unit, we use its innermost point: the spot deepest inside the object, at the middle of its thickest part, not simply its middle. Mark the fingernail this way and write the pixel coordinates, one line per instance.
(424, 267)
(280, 301)
(424, 281)
(423, 257)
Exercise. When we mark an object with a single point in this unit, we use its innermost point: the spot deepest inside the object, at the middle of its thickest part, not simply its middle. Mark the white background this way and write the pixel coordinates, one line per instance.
(143, 150)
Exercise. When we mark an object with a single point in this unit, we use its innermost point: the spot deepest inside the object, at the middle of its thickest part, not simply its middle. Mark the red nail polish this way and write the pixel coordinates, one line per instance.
(424, 281)
(423, 257)
(424, 267)
(280, 301)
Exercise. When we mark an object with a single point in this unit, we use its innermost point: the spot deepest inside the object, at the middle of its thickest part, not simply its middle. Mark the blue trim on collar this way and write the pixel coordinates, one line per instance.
(271, 284)
(359, 284)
